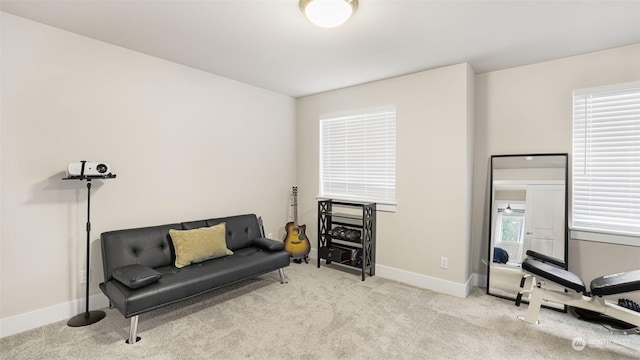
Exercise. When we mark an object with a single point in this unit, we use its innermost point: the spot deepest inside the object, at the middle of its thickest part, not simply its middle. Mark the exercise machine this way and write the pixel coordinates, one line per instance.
(543, 269)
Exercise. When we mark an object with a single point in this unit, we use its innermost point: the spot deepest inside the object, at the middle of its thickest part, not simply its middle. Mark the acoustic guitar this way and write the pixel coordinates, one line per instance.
(296, 242)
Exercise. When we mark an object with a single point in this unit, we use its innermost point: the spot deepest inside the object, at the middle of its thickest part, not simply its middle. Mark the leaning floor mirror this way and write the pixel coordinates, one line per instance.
(528, 212)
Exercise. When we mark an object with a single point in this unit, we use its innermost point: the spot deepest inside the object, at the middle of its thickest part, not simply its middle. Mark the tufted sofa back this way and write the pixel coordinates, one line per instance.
(241, 229)
(152, 246)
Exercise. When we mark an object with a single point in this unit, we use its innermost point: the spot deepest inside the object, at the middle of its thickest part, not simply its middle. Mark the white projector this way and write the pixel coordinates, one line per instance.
(88, 168)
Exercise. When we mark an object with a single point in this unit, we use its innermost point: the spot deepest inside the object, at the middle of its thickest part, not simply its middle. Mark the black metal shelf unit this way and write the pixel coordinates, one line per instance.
(347, 234)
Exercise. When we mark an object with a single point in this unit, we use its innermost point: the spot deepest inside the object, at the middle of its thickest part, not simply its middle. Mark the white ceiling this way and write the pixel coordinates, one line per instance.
(269, 44)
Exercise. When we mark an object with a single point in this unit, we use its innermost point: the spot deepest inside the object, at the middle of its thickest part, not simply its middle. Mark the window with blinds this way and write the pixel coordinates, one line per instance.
(358, 156)
(606, 159)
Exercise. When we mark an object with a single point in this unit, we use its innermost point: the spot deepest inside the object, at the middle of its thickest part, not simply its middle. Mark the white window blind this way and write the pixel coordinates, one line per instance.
(606, 159)
(358, 156)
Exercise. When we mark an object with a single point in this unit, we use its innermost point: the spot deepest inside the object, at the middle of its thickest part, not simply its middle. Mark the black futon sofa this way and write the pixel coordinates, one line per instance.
(140, 269)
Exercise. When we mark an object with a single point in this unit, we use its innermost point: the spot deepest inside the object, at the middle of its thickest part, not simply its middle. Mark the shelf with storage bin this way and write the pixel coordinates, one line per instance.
(347, 234)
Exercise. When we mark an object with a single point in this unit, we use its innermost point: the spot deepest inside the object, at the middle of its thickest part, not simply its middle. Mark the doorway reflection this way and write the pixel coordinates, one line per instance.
(528, 212)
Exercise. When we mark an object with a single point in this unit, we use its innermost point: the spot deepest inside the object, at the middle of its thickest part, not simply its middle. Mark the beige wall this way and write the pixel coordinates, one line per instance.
(528, 174)
(433, 169)
(528, 109)
(184, 144)
(512, 195)
(67, 98)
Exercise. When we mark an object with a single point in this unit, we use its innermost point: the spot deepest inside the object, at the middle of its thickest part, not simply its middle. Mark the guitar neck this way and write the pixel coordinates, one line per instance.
(295, 205)
(295, 210)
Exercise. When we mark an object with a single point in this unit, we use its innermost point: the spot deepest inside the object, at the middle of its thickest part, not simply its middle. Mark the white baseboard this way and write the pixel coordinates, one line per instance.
(33, 319)
(426, 282)
(423, 281)
(479, 280)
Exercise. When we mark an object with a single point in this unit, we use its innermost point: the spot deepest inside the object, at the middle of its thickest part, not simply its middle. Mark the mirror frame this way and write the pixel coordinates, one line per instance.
(566, 216)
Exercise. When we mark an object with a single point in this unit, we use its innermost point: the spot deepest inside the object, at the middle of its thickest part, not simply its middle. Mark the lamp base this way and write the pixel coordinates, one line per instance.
(86, 318)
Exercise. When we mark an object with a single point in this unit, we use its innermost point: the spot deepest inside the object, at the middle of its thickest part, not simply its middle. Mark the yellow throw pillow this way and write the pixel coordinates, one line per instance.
(193, 246)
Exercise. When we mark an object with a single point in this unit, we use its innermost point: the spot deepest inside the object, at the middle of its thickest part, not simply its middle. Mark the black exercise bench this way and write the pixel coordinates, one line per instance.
(544, 268)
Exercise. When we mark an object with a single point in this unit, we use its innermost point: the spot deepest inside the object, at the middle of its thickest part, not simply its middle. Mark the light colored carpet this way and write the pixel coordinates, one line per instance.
(327, 313)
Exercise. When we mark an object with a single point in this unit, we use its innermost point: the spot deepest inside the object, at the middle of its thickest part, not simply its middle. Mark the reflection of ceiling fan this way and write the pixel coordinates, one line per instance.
(509, 210)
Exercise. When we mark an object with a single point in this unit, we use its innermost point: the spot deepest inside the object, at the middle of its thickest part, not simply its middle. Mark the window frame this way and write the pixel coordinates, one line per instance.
(502, 216)
(518, 207)
(584, 232)
(382, 204)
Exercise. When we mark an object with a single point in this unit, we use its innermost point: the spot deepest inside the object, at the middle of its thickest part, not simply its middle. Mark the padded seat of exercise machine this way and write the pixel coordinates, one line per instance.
(616, 283)
(553, 273)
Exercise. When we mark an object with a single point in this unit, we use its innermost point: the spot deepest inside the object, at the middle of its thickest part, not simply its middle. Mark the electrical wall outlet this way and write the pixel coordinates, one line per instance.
(444, 262)
(270, 235)
(83, 276)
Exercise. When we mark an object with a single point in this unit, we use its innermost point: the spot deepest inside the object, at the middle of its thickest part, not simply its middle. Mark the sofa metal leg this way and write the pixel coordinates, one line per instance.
(282, 277)
(133, 331)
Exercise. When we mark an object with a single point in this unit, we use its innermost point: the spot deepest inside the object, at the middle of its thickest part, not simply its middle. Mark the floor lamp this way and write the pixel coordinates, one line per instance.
(88, 317)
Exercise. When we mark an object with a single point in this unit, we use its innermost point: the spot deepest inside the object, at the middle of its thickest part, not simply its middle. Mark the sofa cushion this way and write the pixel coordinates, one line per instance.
(197, 245)
(241, 229)
(179, 284)
(136, 276)
(190, 225)
(150, 246)
(268, 244)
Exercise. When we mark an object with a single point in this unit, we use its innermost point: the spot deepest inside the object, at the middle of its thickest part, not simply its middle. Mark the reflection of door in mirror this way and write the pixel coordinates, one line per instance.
(544, 230)
(528, 212)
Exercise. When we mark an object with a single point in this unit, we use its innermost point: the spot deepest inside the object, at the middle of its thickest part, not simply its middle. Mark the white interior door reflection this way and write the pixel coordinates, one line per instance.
(544, 230)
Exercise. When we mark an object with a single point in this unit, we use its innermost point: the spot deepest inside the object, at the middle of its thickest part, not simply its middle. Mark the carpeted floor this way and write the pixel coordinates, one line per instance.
(328, 313)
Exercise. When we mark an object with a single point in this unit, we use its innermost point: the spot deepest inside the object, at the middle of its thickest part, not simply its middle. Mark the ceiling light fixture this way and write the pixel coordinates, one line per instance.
(328, 13)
